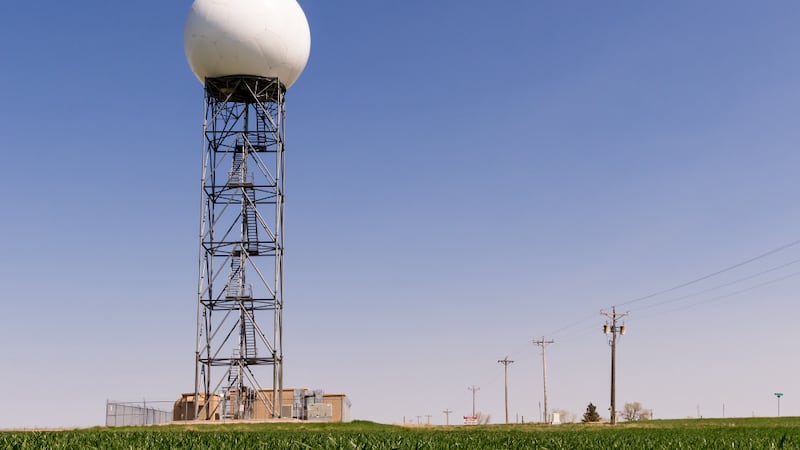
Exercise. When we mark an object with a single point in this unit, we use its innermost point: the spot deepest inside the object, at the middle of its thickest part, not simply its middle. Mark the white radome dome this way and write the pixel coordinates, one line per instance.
(267, 38)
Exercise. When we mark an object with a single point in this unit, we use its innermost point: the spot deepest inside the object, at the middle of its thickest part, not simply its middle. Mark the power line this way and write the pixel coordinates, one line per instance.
(572, 325)
(587, 329)
(719, 272)
(741, 291)
(750, 277)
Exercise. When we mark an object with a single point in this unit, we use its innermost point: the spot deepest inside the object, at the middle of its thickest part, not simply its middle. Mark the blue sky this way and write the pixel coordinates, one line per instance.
(462, 177)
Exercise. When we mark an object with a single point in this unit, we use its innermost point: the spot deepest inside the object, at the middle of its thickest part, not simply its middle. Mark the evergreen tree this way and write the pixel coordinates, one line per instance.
(591, 414)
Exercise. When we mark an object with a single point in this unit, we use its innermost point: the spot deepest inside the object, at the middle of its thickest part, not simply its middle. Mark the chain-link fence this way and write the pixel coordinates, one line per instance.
(121, 414)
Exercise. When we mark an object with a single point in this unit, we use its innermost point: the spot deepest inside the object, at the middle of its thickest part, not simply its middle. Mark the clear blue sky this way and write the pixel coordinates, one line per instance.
(463, 176)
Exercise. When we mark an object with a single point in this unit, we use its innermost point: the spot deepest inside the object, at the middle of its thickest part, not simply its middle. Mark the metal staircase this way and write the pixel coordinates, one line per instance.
(238, 174)
(248, 332)
(235, 288)
(250, 221)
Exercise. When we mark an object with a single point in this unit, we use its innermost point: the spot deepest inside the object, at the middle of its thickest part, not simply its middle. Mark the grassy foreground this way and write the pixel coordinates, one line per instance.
(659, 434)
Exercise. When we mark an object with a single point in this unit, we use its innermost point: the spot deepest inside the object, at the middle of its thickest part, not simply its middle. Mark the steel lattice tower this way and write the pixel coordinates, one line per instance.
(240, 289)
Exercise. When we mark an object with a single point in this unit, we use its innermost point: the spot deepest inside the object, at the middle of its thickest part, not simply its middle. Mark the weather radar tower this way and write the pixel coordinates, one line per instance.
(247, 53)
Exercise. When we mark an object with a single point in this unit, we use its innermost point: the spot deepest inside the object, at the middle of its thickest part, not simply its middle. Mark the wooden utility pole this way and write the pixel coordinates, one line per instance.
(447, 414)
(613, 330)
(543, 343)
(474, 389)
(505, 362)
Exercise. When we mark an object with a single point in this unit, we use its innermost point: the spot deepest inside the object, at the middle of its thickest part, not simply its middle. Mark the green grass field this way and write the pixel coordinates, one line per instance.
(660, 434)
